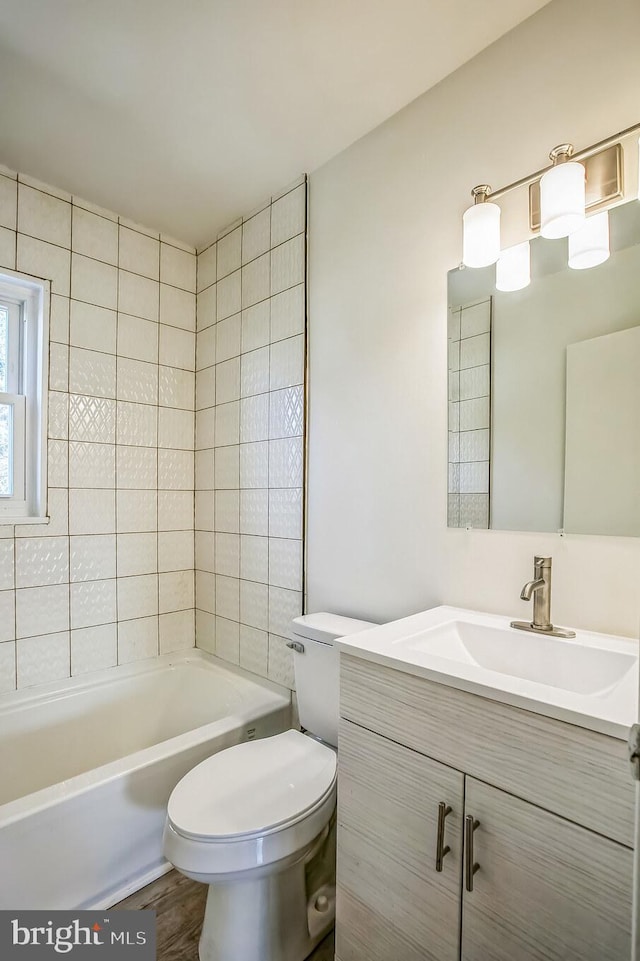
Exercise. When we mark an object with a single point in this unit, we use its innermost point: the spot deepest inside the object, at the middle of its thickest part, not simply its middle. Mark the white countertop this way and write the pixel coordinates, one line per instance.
(590, 680)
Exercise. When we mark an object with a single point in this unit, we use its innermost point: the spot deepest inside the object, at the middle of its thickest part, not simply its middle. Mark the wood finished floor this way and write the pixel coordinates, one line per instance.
(179, 906)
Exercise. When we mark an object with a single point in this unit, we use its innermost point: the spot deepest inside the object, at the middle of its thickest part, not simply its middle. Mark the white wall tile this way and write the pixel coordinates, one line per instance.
(137, 338)
(139, 253)
(92, 327)
(206, 266)
(254, 558)
(176, 591)
(137, 424)
(228, 597)
(227, 468)
(175, 551)
(43, 659)
(43, 216)
(7, 667)
(256, 235)
(206, 631)
(177, 267)
(92, 512)
(7, 616)
(254, 604)
(178, 307)
(256, 280)
(227, 554)
(44, 260)
(177, 388)
(176, 428)
(59, 319)
(91, 372)
(7, 563)
(254, 418)
(94, 236)
(255, 326)
(228, 640)
(285, 513)
(228, 380)
(94, 282)
(92, 558)
(254, 512)
(227, 511)
(138, 295)
(286, 412)
(41, 610)
(177, 347)
(204, 551)
(137, 596)
(137, 639)
(175, 469)
(8, 202)
(204, 510)
(137, 468)
(207, 307)
(58, 367)
(206, 591)
(281, 669)
(288, 215)
(137, 381)
(137, 554)
(227, 418)
(254, 650)
(255, 372)
(205, 428)
(177, 631)
(229, 252)
(41, 561)
(205, 469)
(254, 464)
(287, 264)
(228, 295)
(8, 245)
(287, 363)
(136, 511)
(175, 510)
(92, 465)
(94, 648)
(286, 462)
(284, 605)
(285, 563)
(93, 602)
(206, 348)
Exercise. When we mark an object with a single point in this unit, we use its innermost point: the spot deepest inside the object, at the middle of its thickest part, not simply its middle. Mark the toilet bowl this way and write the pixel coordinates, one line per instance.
(256, 822)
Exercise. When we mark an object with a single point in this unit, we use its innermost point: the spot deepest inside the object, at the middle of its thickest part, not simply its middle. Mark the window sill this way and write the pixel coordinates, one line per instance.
(13, 521)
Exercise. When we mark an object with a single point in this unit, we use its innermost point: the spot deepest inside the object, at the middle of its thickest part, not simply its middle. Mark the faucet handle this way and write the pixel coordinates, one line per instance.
(542, 563)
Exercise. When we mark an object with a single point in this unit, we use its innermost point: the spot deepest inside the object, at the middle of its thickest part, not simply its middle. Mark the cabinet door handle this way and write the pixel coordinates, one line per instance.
(441, 851)
(471, 867)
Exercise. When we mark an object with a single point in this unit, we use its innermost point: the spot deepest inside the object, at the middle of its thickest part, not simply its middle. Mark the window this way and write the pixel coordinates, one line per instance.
(23, 340)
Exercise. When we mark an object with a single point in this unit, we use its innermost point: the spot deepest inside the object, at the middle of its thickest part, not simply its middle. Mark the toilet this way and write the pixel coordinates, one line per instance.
(256, 821)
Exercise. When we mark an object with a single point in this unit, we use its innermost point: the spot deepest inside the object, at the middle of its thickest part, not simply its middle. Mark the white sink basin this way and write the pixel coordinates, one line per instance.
(590, 680)
(557, 662)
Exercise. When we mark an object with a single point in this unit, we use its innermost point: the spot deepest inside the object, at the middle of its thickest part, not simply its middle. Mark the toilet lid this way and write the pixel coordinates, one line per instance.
(253, 788)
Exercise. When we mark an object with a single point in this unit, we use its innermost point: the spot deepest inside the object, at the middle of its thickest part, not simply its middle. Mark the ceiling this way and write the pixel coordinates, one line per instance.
(185, 115)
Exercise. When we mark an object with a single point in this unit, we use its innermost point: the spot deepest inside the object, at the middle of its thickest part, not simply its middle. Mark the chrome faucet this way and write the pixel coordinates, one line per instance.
(540, 589)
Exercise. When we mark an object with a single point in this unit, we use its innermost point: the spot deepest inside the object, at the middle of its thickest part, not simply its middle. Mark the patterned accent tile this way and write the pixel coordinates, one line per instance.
(254, 604)
(92, 465)
(93, 558)
(41, 561)
(285, 563)
(58, 463)
(58, 415)
(286, 413)
(284, 605)
(254, 650)
(137, 381)
(286, 462)
(93, 602)
(280, 662)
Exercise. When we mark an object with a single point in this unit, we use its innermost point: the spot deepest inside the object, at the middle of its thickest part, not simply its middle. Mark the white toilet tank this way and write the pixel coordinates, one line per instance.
(317, 669)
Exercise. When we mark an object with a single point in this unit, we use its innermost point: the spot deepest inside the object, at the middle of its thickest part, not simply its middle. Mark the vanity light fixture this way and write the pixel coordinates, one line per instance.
(589, 246)
(513, 269)
(561, 198)
(481, 230)
(562, 194)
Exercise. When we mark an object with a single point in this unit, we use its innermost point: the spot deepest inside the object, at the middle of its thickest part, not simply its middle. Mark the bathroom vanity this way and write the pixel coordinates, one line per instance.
(484, 814)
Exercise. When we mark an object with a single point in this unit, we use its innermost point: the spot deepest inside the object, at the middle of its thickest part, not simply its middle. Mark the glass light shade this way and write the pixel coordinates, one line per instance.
(481, 235)
(589, 246)
(562, 199)
(513, 270)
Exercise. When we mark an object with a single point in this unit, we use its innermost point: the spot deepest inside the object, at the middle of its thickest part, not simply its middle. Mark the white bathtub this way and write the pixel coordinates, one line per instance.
(87, 766)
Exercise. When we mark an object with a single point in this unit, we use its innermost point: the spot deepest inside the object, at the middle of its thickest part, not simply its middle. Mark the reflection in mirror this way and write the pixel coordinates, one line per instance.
(544, 392)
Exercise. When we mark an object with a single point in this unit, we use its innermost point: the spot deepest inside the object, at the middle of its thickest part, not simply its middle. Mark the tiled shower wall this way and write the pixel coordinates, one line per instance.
(249, 436)
(110, 579)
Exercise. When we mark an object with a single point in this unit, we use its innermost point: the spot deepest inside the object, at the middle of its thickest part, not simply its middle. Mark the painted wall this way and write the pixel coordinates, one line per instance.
(110, 579)
(385, 227)
(249, 436)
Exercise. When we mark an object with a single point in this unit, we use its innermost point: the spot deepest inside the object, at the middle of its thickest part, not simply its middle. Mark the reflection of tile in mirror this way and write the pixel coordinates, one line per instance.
(474, 477)
(474, 382)
(454, 416)
(474, 445)
(474, 414)
(454, 385)
(476, 319)
(454, 355)
(473, 510)
(454, 447)
(454, 478)
(474, 351)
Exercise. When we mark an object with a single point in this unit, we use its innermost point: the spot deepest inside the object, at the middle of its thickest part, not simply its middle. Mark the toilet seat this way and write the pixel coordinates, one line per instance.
(251, 805)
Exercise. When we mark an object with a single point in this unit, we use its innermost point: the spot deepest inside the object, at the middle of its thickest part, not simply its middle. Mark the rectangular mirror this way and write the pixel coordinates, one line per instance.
(544, 392)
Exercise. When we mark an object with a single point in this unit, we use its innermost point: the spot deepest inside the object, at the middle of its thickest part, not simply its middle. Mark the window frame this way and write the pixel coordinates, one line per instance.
(28, 300)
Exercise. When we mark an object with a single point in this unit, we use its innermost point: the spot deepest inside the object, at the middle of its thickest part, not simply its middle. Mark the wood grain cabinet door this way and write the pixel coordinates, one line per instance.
(545, 889)
(392, 903)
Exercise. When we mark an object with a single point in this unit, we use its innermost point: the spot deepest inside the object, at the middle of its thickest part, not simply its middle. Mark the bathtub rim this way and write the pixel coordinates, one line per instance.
(275, 697)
